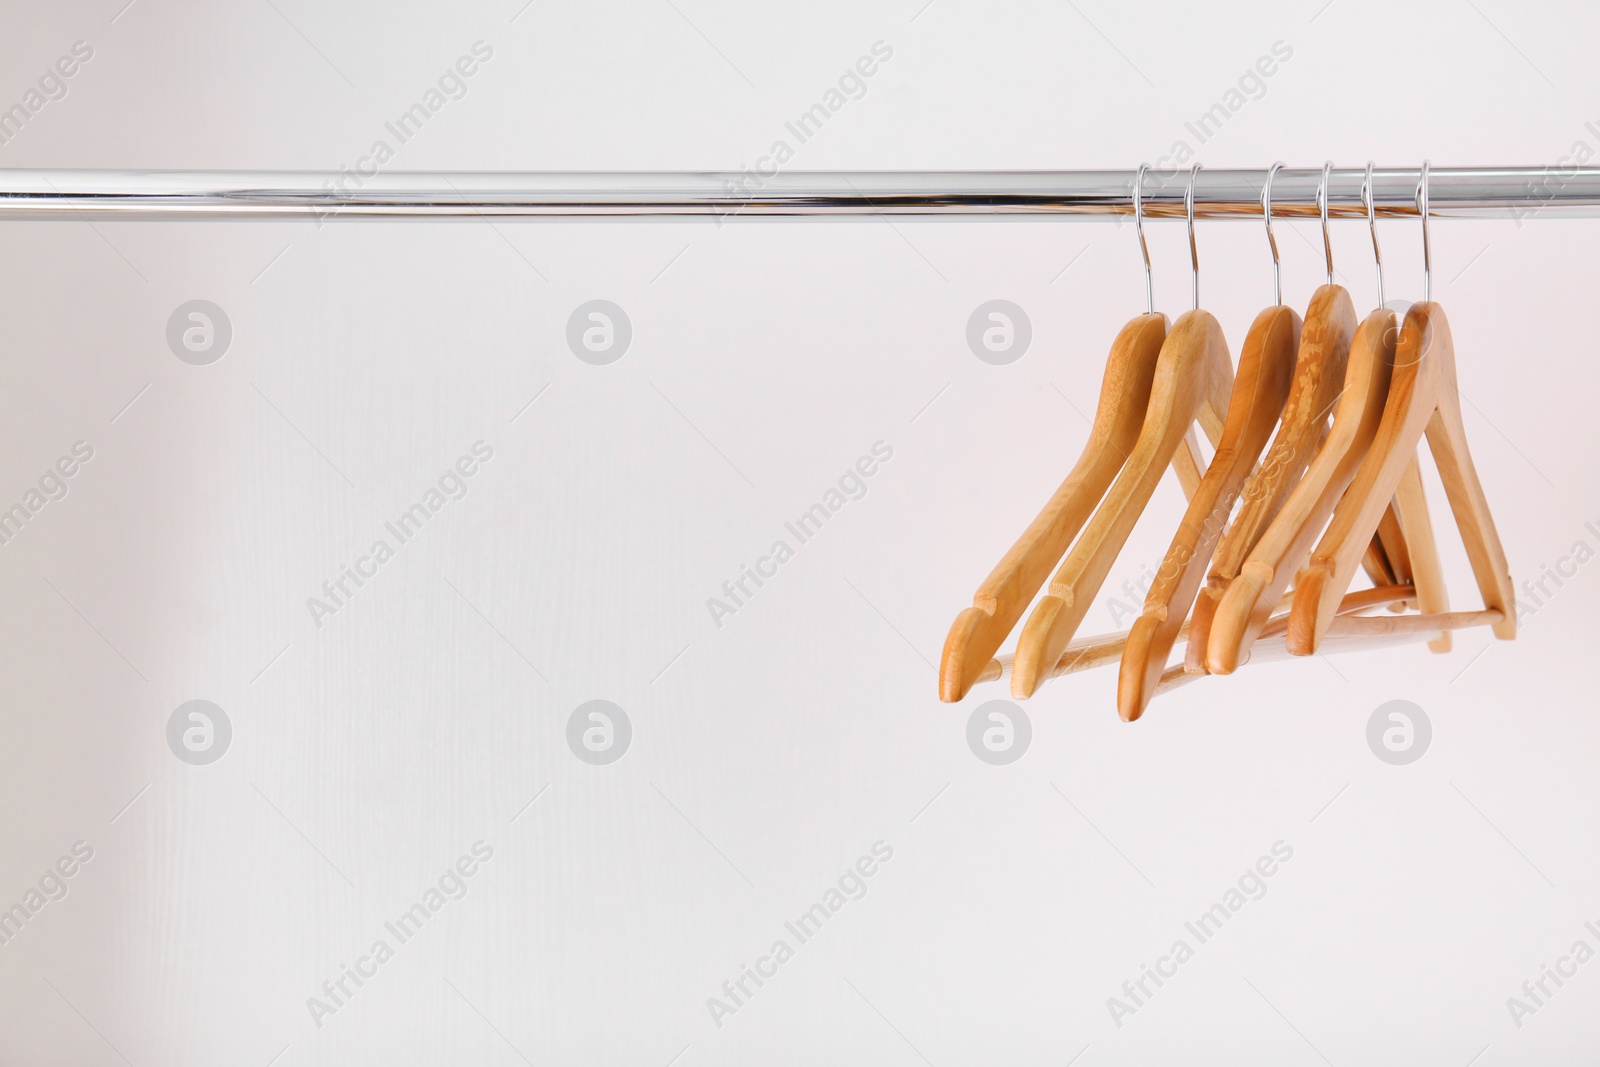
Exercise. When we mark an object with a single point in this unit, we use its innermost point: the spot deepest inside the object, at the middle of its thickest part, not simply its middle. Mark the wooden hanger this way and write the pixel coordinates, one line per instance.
(1319, 385)
(1260, 387)
(1246, 604)
(1319, 367)
(1400, 384)
(1319, 377)
(1410, 509)
(978, 631)
(1250, 593)
(1350, 632)
(1320, 370)
(1192, 373)
(1423, 398)
(1087, 653)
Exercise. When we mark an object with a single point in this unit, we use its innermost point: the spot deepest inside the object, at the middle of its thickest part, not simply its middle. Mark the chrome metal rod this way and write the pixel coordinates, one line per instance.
(1455, 192)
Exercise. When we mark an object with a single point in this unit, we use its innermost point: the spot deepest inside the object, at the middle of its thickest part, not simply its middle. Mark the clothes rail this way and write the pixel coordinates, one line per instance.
(1455, 192)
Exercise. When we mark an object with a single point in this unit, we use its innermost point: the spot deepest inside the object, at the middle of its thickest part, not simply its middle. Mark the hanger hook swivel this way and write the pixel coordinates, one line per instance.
(1144, 248)
(1372, 224)
(1194, 251)
(1322, 212)
(1266, 213)
(1427, 250)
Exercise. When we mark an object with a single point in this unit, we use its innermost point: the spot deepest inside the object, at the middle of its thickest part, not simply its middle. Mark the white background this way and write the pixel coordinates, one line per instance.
(767, 754)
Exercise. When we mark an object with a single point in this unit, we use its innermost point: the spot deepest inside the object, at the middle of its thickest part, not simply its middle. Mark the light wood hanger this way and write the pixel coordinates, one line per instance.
(1346, 634)
(1406, 532)
(1319, 374)
(1423, 398)
(1192, 374)
(1324, 348)
(1410, 508)
(1005, 594)
(1319, 383)
(1246, 605)
(1000, 601)
(1283, 549)
(1389, 547)
(1354, 633)
(1088, 653)
(1390, 553)
(1350, 631)
(1260, 387)
(1399, 386)
(1320, 371)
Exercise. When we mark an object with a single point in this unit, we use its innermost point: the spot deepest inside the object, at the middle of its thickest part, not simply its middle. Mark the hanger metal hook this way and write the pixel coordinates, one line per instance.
(1266, 213)
(1322, 212)
(1144, 248)
(1427, 251)
(1194, 251)
(1372, 224)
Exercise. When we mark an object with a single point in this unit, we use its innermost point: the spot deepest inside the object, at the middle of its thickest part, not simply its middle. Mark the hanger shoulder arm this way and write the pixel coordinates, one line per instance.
(1421, 550)
(1413, 397)
(978, 631)
(1260, 388)
(1447, 440)
(1185, 378)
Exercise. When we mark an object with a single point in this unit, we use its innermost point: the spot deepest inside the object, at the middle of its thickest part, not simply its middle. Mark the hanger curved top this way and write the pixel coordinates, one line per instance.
(1247, 597)
(1194, 377)
(1424, 398)
(978, 631)
(1319, 377)
(1266, 546)
(1264, 380)
(1272, 242)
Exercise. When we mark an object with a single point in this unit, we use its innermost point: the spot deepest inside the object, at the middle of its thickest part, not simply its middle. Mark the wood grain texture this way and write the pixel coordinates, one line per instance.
(1391, 540)
(1423, 399)
(1278, 555)
(1261, 385)
(1189, 465)
(1375, 561)
(1353, 633)
(979, 631)
(1319, 370)
(1411, 506)
(1193, 373)
(1087, 653)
